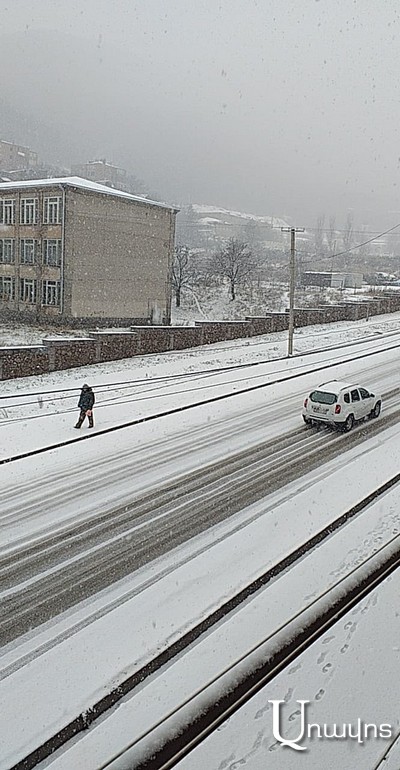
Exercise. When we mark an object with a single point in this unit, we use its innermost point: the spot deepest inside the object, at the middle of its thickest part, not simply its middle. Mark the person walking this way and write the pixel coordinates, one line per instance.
(85, 404)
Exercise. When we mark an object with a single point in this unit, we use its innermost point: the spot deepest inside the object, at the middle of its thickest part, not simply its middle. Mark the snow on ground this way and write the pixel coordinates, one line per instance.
(269, 220)
(224, 563)
(204, 303)
(84, 671)
(265, 347)
(347, 675)
(162, 449)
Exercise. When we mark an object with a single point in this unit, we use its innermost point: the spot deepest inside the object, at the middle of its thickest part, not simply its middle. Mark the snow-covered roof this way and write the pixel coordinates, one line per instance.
(81, 184)
(104, 163)
(272, 221)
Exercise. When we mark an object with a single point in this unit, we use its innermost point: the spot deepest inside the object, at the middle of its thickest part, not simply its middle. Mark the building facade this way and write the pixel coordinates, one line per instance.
(76, 251)
(14, 157)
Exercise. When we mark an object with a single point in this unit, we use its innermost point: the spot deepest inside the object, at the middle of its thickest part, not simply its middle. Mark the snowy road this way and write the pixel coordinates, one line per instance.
(217, 571)
(41, 493)
(99, 543)
(79, 519)
(39, 580)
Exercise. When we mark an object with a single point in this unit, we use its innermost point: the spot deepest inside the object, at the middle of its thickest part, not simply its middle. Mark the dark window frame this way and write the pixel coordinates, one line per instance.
(50, 244)
(23, 243)
(7, 259)
(7, 211)
(28, 290)
(7, 296)
(28, 211)
(52, 210)
(51, 293)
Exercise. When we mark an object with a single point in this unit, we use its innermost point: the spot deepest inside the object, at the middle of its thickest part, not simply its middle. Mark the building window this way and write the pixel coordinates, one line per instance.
(28, 251)
(7, 211)
(29, 210)
(52, 211)
(7, 250)
(51, 293)
(52, 252)
(27, 290)
(7, 287)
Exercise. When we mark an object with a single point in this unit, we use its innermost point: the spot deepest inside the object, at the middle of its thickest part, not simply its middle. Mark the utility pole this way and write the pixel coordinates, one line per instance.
(292, 272)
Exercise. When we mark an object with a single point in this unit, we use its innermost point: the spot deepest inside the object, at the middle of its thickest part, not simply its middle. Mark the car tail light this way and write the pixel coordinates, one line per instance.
(305, 403)
(338, 409)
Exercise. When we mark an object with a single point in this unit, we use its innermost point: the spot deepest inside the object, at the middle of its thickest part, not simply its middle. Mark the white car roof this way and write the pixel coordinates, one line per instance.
(335, 386)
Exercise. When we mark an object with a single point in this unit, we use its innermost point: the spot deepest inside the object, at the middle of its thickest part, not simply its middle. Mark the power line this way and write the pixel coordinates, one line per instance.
(144, 382)
(123, 401)
(352, 248)
(239, 225)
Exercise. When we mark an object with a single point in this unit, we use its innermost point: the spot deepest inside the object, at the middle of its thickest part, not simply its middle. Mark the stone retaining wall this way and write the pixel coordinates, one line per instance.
(22, 362)
(56, 354)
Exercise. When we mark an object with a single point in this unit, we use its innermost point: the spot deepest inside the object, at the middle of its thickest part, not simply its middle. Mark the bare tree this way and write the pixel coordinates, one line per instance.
(250, 233)
(183, 272)
(348, 232)
(331, 235)
(319, 235)
(235, 263)
(364, 249)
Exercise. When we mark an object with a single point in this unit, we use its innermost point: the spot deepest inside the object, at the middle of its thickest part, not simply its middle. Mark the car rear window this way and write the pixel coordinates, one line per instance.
(321, 397)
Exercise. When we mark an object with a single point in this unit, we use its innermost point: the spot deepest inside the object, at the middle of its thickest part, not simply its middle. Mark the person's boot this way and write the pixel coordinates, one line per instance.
(91, 423)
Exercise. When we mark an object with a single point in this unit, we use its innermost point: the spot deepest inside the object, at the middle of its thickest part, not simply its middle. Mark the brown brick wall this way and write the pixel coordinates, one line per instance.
(186, 337)
(23, 362)
(218, 331)
(71, 353)
(280, 321)
(115, 345)
(142, 339)
(153, 339)
(260, 324)
(212, 331)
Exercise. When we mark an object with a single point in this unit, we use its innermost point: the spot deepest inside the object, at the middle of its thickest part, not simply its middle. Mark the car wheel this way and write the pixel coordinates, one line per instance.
(307, 420)
(349, 423)
(376, 410)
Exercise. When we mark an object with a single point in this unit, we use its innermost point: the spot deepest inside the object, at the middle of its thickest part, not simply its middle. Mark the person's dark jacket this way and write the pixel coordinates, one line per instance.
(86, 400)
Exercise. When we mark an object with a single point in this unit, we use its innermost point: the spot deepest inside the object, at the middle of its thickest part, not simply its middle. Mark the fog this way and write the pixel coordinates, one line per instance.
(284, 107)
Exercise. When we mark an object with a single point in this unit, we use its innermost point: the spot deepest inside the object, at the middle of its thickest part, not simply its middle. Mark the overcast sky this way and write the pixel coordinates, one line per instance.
(285, 107)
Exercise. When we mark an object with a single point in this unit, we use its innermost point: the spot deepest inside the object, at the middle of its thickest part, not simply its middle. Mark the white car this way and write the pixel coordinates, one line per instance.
(341, 404)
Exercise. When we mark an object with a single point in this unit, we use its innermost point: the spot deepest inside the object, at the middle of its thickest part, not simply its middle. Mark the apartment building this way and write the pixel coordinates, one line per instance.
(74, 250)
(103, 172)
(14, 157)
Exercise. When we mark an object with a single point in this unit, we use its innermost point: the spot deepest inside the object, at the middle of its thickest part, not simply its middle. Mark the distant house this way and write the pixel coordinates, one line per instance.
(14, 157)
(71, 249)
(332, 280)
(102, 172)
